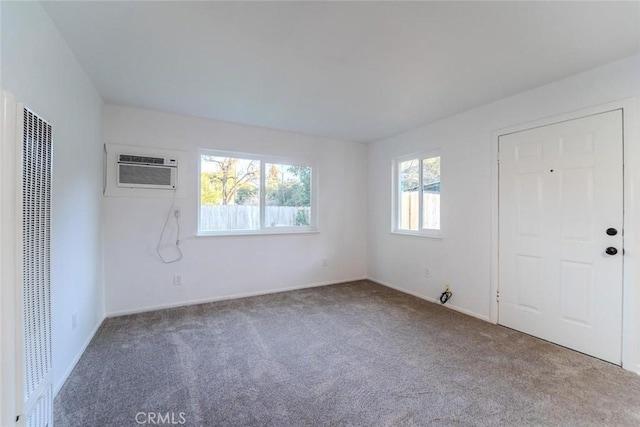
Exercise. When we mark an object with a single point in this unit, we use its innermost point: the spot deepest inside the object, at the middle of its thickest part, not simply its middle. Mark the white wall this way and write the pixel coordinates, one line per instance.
(463, 257)
(220, 267)
(40, 70)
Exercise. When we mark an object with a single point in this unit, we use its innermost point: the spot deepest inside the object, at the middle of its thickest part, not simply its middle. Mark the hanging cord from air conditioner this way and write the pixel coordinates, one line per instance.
(176, 215)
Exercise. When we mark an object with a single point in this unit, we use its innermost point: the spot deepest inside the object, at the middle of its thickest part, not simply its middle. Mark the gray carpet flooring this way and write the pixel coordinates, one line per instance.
(348, 354)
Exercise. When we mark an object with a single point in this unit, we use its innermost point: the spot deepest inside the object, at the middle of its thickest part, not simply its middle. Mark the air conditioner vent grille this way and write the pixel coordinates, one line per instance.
(141, 175)
(141, 159)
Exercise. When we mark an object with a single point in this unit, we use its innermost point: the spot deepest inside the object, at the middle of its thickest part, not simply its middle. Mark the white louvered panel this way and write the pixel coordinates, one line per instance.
(41, 413)
(36, 218)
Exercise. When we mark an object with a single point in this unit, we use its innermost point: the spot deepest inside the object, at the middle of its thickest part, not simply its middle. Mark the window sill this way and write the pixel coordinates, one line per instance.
(255, 233)
(430, 235)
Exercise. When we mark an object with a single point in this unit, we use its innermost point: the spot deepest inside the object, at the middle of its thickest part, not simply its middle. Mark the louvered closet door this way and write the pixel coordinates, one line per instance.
(36, 277)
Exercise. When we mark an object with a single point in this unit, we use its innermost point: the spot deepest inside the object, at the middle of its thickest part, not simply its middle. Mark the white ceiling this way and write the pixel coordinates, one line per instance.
(358, 71)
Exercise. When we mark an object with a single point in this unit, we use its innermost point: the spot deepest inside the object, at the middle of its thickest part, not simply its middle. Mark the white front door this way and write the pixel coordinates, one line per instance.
(560, 248)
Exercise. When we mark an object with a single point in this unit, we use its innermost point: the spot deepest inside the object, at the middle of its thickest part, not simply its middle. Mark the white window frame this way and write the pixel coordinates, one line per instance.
(313, 224)
(397, 194)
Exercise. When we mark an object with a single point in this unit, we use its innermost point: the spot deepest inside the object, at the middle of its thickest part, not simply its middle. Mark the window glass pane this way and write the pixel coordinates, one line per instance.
(229, 193)
(287, 195)
(431, 193)
(408, 215)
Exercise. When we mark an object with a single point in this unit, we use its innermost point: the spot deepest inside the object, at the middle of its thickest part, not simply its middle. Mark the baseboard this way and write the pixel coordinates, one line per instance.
(433, 300)
(73, 364)
(227, 297)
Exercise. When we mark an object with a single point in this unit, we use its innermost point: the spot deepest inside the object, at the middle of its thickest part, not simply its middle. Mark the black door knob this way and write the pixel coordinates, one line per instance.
(612, 231)
(611, 250)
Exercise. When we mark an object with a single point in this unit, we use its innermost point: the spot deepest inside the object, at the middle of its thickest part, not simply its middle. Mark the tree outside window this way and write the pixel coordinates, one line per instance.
(231, 198)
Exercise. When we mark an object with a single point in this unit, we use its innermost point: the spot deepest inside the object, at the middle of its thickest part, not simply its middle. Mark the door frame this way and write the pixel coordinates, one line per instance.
(10, 368)
(631, 219)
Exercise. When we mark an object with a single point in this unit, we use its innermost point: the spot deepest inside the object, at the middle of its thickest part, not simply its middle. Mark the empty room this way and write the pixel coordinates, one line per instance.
(301, 213)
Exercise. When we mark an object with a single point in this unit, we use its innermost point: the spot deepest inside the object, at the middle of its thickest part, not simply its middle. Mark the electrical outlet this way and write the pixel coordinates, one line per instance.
(74, 320)
(324, 262)
(447, 288)
(427, 272)
(177, 280)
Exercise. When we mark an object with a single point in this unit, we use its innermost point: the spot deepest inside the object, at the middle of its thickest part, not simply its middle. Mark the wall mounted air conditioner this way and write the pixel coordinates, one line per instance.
(147, 172)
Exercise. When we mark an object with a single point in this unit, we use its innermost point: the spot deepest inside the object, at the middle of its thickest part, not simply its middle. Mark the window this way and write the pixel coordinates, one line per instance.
(247, 194)
(417, 204)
